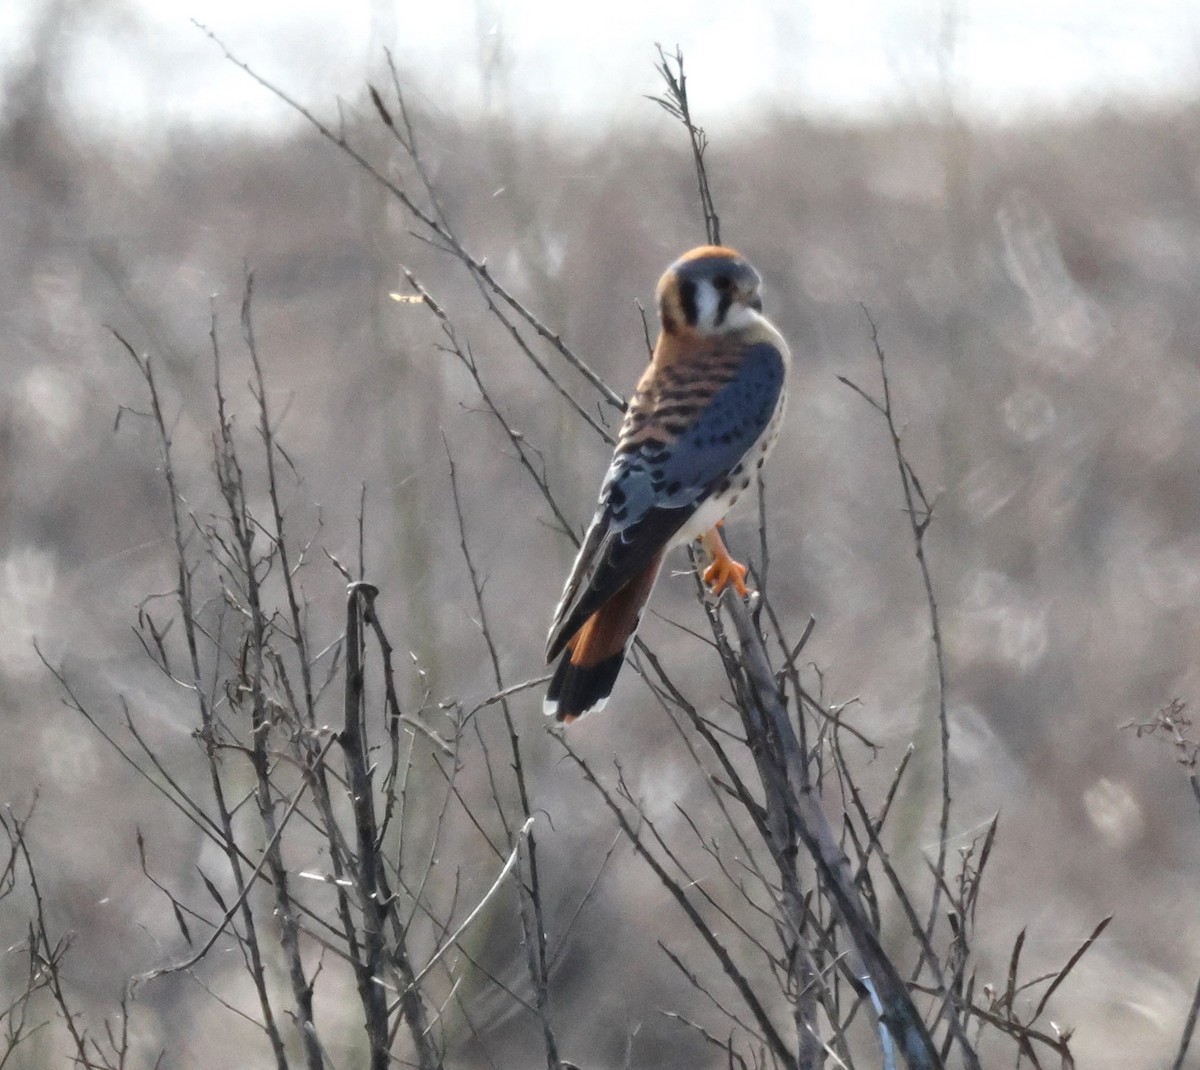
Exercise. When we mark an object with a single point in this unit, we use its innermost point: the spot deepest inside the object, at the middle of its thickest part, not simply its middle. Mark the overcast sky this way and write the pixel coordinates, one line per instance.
(141, 63)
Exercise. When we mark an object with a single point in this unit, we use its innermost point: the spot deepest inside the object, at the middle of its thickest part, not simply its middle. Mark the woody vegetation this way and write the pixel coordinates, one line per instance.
(350, 838)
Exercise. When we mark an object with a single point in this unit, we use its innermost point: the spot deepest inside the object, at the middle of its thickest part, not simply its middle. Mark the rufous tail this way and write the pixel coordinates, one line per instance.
(588, 668)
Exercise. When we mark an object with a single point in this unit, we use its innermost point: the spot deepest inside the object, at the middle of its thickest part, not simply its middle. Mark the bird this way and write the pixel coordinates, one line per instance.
(702, 420)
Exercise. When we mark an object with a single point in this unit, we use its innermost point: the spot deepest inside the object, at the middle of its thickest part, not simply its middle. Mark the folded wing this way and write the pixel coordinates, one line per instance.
(682, 438)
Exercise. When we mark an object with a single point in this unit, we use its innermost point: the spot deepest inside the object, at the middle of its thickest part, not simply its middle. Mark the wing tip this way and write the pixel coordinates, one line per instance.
(556, 640)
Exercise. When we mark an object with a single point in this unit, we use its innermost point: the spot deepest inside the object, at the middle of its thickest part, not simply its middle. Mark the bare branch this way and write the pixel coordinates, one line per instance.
(675, 104)
(919, 511)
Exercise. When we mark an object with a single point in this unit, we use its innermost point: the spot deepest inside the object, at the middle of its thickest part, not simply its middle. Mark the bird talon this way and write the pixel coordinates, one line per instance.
(724, 570)
(721, 573)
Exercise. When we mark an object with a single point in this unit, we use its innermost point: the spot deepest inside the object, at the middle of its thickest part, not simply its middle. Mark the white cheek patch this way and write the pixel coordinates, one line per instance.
(707, 303)
(740, 316)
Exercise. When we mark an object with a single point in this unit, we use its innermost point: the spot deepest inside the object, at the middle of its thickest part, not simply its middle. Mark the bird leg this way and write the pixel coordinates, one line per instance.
(723, 570)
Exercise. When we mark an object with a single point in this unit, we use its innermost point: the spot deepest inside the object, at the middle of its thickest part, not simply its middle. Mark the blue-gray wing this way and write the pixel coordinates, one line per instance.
(684, 449)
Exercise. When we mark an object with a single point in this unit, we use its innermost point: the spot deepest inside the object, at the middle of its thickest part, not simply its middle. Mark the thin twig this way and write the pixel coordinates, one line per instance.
(454, 937)
(919, 510)
(220, 927)
(531, 896)
(446, 237)
(675, 104)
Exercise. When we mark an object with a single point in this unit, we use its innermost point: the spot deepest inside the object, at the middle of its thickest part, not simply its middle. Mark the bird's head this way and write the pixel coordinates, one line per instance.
(710, 290)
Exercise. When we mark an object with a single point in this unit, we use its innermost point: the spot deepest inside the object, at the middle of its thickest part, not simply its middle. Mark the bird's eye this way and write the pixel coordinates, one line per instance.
(722, 283)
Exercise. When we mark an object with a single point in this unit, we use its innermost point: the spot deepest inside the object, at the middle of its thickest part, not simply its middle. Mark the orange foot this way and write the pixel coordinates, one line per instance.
(724, 570)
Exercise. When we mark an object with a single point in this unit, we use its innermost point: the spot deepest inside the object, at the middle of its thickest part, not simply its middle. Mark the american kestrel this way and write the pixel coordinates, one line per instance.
(702, 421)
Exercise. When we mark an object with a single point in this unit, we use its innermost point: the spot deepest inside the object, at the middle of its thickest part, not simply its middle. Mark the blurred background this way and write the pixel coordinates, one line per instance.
(1011, 189)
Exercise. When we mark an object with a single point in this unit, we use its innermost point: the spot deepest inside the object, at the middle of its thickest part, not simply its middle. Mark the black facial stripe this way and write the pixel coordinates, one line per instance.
(687, 301)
